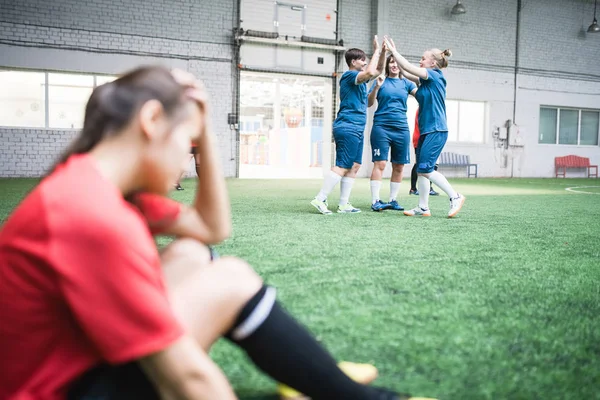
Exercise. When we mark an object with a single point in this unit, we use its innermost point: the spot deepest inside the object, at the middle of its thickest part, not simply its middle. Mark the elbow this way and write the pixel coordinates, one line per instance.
(221, 234)
(372, 72)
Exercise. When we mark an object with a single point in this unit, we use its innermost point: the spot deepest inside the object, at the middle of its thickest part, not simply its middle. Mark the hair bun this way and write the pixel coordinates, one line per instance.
(447, 53)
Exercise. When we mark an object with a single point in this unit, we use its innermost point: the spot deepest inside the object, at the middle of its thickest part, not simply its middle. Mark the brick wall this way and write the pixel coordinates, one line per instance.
(108, 37)
(558, 61)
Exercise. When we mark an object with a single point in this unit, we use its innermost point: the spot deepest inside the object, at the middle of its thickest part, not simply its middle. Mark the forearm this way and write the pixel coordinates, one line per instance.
(411, 77)
(408, 67)
(212, 199)
(381, 62)
(184, 372)
(206, 386)
(374, 68)
(373, 95)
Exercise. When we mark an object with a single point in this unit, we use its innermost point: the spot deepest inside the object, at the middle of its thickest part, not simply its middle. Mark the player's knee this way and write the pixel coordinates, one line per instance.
(380, 165)
(398, 168)
(243, 281)
(187, 249)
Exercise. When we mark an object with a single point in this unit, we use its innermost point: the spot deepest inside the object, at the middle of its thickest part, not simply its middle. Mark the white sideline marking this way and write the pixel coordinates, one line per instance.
(572, 189)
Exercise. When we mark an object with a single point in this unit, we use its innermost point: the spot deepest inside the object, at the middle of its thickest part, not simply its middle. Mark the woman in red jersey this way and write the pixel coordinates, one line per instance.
(89, 308)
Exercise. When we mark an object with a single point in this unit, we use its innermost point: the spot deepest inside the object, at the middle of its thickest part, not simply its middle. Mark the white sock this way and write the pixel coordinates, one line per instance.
(345, 189)
(441, 181)
(375, 189)
(331, 179)
(394, 190)
(423, 185)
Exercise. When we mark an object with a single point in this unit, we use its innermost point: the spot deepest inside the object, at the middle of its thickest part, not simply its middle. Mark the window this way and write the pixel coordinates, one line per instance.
(569, 126)
(590, 121)
(67, 97)
(26, 102)
(548, 125)
(23, 99)
(567, 132)
(102, 79)
(466, 121)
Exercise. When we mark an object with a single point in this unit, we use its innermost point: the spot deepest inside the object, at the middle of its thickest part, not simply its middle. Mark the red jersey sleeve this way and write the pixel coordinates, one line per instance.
(159, 211)
(111, 279)
(416, 132)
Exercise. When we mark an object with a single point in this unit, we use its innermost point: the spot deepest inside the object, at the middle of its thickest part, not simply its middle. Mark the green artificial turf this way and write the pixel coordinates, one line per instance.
(502, 302)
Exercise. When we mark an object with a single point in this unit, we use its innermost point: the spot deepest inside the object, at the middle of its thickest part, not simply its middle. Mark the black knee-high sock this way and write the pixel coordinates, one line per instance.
(413, 177)
(287, 352)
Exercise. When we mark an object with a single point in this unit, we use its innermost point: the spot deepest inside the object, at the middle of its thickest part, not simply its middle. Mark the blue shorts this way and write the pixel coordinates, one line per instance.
(384, 137)
(348, 147)
(429, 149)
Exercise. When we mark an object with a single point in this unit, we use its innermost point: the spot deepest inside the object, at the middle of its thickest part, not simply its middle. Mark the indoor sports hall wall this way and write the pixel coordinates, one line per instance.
(109, 37)
(558, 65)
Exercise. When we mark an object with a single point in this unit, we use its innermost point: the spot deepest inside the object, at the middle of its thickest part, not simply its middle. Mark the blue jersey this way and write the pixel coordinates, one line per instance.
(391, 101)
(353, 103)
(431, 97)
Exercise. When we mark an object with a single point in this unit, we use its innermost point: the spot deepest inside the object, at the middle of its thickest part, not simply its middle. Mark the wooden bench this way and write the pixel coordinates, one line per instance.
(573, 161)
(457, 160)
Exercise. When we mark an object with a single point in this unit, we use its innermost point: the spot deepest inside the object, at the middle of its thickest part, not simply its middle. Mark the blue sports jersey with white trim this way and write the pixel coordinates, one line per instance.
(431, 97)
(353, 103)
(391, 101)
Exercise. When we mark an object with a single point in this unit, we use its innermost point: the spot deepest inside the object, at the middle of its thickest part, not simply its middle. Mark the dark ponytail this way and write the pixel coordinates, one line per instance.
(112, 106)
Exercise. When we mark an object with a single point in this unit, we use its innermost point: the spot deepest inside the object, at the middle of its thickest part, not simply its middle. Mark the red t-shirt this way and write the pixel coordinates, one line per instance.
(416, 132)
(80, 282)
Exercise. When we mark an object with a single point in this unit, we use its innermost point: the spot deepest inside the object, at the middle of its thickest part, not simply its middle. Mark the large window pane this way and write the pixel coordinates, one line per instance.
(452, 118)
(589, 127)
(471, 121)
(102, 79)
(411, 112)
(22, 99)
(67, 97)
(567, 133)
(548, 125)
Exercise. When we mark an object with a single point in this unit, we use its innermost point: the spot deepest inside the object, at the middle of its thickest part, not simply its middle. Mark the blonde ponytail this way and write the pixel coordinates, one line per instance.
(441, 57)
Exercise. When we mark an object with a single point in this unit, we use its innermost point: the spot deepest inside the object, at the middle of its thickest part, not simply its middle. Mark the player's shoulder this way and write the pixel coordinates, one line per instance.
(349, 77)
(76, 197)
(435, 74)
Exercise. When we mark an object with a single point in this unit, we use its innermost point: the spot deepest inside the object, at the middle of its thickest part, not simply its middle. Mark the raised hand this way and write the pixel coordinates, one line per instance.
(380, 80)
(389, 43)
(196, 91)
(375, 44)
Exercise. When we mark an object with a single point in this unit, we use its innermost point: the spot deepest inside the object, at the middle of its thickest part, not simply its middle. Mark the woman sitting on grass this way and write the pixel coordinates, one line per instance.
(90, 309)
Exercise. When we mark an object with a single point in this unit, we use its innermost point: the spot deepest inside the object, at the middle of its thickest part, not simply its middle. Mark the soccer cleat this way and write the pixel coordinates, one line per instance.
(414, 192)
(433, 192)
(393, 205)
(379, 205)
(361, 373)
(321, 206)
(178, 186)
(456, 204)
(418, 211)
(348, 209)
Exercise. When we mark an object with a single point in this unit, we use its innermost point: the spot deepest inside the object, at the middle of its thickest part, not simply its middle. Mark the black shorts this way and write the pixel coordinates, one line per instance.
(193, 150)
(114, 382)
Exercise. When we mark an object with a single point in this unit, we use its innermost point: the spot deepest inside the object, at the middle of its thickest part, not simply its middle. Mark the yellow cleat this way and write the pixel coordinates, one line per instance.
(361, 373)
